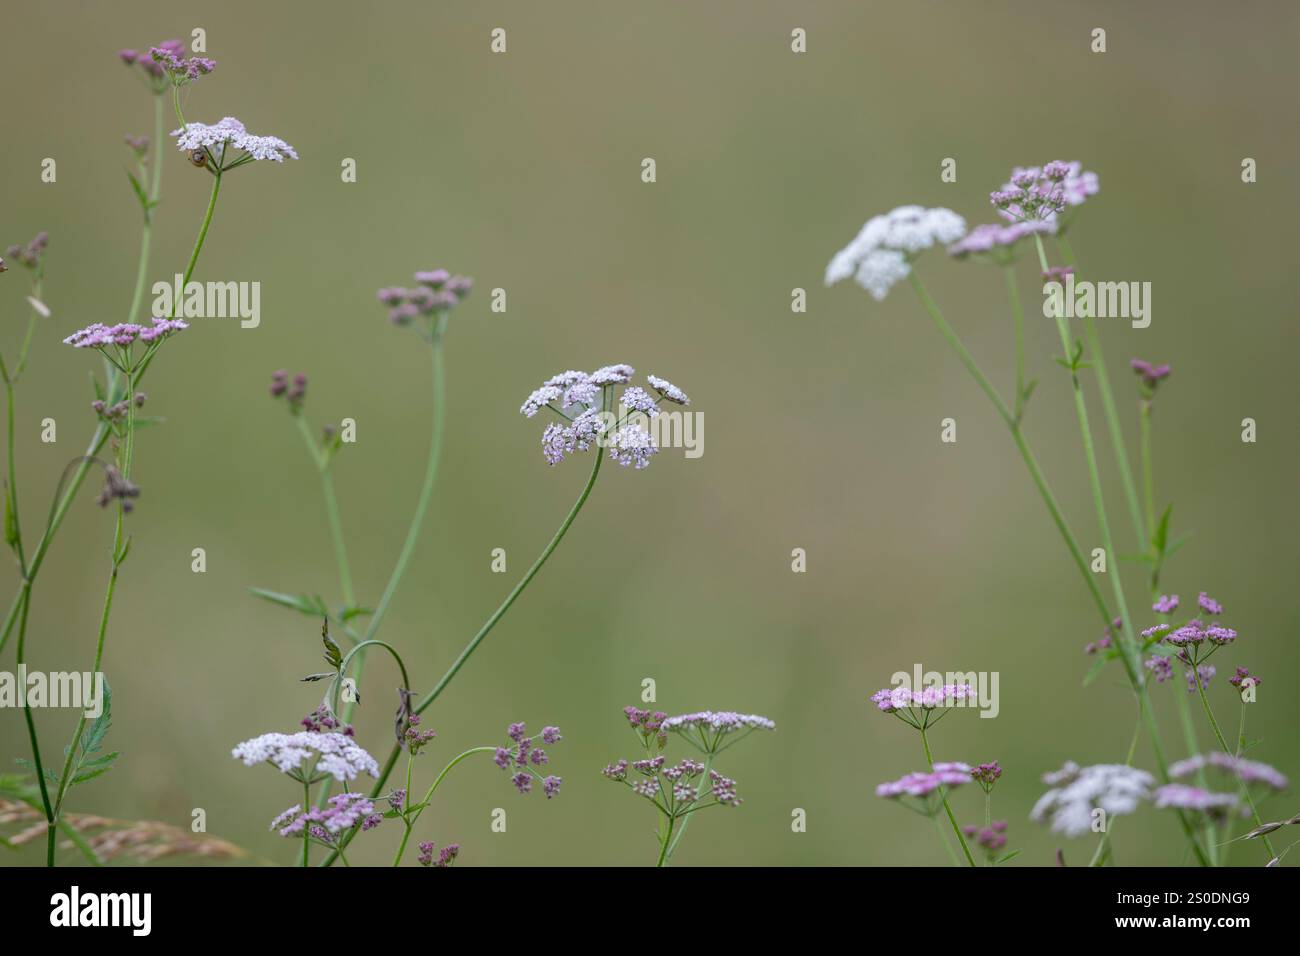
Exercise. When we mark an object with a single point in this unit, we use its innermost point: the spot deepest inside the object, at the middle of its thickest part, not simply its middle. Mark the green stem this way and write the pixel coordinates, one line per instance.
(1223, 745)
(491, 622)
(1018, 313)
(943, 796)
(686, 821)
(331, 509)
(1022, 445)
(1108, 406)
(417, 519)
(1148, 481)
(306, 827)
(943, 838)
(429, 793)
(663, 845)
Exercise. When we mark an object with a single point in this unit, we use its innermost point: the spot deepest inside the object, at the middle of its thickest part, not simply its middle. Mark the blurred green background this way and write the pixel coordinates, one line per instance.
(523, 170)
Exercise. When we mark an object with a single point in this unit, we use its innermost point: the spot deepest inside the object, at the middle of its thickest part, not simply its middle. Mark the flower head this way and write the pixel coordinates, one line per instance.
(230, 132)
(180, 70)
(1180, 796)
(124, 335)
(1247, 771)
(923, 783)
(892, 699)
(880, 254)
(523, 756)
(996, 241)
(1044, 193)
(986, 774)
(1244, 679)
(30, 253)
(582, 401)
(1160, 667)
(1151, 375)
(435, 293)
(336, 754)
(1167, 604)
(342, 812)
(1076, 792)
(1208, 604)
(446, 856)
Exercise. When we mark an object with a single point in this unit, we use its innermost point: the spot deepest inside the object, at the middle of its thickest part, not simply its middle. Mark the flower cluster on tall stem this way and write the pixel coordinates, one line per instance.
(678, 791)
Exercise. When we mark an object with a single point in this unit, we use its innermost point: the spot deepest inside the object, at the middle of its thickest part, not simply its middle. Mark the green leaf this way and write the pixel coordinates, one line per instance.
(80, 843)
(11, 522)
(348, 613)
(27, 765)
(302, 603)
(140, 194)
(1010, 856)
(1162, 531)
(333, 654)
(88, 766)
(1095, 670)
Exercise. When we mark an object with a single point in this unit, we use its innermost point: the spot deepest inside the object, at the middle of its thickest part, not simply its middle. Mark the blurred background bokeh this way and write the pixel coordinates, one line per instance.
(523, 170)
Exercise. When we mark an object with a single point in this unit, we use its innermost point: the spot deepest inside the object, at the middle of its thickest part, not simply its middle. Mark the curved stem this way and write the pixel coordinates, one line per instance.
(491, 622)
(943, 796)
(429, 795)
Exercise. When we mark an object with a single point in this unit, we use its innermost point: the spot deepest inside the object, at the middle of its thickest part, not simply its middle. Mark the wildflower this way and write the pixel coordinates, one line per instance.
(397, 800)
(1151, 375)
(632, 445)
(154, 69)
(1203, 672)
(1243, 679)
(723, 721)
(337, 755)
(343, 812)
(414, 739)
(707, 729)
(634, 399)
(881, 253)
(1167, 604)
(124, 335)
(180, 70)
(446, 856)
(1044, 193)
(138, 144)
(924, 783)
(991, 838)
(611, 375)
(1208, 604)
(1247, 771)
(117, 488)
(231, 132)
(1160, 667)
(28, 254)
(891, 700)
(996, 240)
(1078, 791)
(986, 775)
(668, 390)
(523, 756)
(1183, 797)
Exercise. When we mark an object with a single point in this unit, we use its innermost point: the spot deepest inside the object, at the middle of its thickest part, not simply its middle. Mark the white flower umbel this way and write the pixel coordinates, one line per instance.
(339, 756)
(881, 254)
(1077, 791)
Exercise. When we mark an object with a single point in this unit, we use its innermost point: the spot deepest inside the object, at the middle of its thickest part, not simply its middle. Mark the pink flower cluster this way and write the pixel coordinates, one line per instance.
(98, 336)
(924, 783)
(893, 699)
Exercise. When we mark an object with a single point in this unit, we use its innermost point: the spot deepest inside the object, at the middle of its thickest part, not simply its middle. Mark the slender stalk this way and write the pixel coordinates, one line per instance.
(306, 828)
(686, 821)
(430, 792)
(491, 622)
(417, 518)
(1018, 313)
(1109, 408)
(96, 443)
(331, 510)
(664, 844)
(943, 838)
(943, 796)
(1022, 445)
(1223, 745)
(1148, 481)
